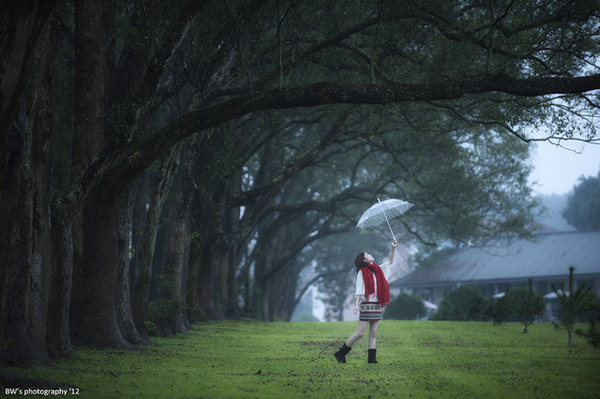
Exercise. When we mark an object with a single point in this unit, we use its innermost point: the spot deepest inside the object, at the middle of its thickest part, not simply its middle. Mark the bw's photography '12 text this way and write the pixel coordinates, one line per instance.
(41, 391)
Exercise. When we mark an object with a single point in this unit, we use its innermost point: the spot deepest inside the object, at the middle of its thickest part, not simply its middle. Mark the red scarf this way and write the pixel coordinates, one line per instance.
(383, 290)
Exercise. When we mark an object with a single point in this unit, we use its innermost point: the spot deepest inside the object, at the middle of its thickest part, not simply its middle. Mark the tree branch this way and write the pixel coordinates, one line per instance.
(142, 155)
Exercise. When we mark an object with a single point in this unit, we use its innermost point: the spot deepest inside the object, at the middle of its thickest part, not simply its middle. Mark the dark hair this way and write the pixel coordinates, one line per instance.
(359, 261)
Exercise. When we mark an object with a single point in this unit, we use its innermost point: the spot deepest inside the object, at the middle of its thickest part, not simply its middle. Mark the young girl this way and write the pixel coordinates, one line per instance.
(372, 294)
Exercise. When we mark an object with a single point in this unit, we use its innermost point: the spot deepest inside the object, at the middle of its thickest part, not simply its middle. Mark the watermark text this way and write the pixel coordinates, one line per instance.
(41, 391)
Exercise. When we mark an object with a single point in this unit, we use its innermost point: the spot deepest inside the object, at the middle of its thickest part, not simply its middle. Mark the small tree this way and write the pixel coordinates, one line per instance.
(500, 309)
(593, 333)
(405, 307)
(528, 305)
(574, 303)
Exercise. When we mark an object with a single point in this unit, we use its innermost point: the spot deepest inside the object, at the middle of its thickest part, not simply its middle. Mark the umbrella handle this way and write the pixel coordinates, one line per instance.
(388, 222)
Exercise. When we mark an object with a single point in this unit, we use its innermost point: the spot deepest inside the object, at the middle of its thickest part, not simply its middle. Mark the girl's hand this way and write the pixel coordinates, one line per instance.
(355, 310)
(394, 243)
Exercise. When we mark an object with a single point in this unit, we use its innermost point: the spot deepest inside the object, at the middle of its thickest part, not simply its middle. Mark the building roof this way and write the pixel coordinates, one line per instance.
(548, 256)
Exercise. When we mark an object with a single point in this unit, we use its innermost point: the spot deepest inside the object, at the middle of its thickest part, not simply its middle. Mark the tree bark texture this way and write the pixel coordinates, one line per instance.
(138, 223)
(59, 334)
(177, 251)
(20, 25)
(141, 293)
(17, 347)
(204, 264)
(24, 191)
(93, 311)
(40, 159)
(124, 221)
(229, 266)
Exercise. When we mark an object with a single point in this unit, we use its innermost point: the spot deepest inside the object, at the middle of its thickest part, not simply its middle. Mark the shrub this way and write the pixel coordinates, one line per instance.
(405, 307)
(463, 304)
(152, 331)
(165, 307)
(500, 309)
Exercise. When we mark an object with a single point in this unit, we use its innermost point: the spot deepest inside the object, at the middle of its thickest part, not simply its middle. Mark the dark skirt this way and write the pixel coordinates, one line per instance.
(370, 311)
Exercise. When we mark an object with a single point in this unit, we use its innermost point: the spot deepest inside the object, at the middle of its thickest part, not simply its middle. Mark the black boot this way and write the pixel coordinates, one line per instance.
(372, 355)
(341, 354)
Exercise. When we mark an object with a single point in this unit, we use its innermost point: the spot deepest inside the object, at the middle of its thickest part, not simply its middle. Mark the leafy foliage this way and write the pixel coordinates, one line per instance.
(462, 304)
(165, 307)
(500, 309)
(583, 205)
(405, 307)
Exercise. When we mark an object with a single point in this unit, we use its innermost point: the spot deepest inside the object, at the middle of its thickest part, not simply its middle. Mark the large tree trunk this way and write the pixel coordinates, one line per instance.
(124, 313)
(17, 347)
(205, 263)
(58, 334)
(93, 306)
(177, 251)
(230, 262)
(263, 263)
(23, 210)
(93, 313)
(208, 296)
(138, 223)
(21, 22)
(40, 159)
(141, 293)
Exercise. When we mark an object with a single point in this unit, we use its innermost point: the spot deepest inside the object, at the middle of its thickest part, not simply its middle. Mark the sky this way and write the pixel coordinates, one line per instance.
(557, 170)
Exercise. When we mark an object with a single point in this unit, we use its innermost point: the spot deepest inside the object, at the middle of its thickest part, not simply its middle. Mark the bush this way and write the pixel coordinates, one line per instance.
(152, 330)
(405, 307)
(165, 307)
(463, 304)
(500, 309)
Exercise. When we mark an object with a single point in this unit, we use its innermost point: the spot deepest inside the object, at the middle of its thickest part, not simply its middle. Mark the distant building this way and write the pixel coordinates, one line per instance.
(504, 264)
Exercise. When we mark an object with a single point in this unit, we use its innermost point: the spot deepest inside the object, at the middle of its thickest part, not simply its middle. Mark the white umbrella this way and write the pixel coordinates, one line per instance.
(382, 211)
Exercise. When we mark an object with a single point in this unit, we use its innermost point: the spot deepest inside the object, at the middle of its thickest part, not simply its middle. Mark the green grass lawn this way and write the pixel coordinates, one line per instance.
(294, 360)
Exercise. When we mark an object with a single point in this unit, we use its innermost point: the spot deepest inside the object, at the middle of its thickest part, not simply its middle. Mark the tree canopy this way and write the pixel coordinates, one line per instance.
(583, 205)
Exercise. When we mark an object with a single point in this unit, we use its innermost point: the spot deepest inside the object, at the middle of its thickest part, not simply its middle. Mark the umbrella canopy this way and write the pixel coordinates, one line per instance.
(382, 212)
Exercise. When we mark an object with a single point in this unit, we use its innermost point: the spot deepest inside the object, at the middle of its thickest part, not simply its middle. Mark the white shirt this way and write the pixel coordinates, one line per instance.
(360, 283)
